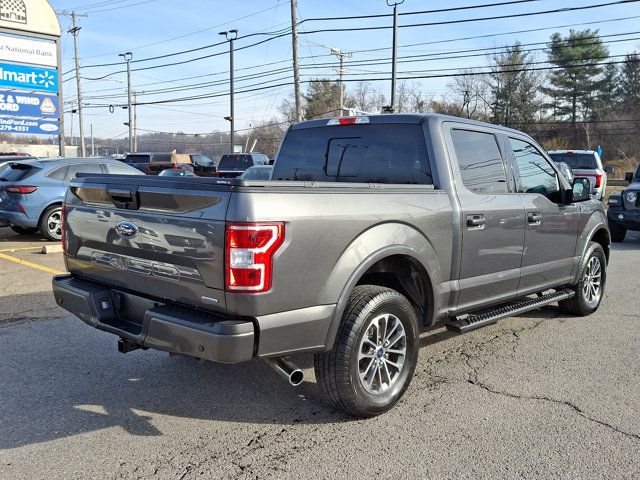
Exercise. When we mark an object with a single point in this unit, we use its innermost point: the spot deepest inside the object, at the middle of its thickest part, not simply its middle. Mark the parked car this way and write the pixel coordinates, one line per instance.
(153, 163)
(232, 165)
(203, 166)
(624, 208)
(370, 229)
(32, 191)
(585, 164)
(258, 172)
(176, 171)
(566, 171)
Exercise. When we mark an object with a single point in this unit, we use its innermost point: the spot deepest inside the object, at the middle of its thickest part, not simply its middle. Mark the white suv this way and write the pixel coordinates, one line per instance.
(585, 164)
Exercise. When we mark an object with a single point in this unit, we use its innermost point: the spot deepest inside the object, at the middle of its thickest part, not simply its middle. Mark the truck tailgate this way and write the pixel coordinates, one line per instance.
(163, 238)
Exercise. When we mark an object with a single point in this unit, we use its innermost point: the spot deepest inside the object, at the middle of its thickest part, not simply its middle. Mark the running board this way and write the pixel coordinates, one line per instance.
(465, 323)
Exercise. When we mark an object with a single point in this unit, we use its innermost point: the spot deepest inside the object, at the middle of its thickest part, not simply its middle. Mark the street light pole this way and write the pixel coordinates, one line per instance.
(394, 54)
(341, 56)
(127, 58)
(231, 35)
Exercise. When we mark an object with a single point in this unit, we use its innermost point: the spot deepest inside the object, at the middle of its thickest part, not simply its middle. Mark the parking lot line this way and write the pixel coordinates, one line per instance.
(18, 249)
(30, 264)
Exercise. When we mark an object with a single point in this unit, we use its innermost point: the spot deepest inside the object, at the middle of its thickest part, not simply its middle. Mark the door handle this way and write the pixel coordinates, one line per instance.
(475, 220)
(534, 217)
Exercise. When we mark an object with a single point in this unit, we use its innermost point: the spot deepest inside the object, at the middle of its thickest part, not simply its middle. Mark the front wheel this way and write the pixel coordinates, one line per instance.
(374, 354)
(590, 287)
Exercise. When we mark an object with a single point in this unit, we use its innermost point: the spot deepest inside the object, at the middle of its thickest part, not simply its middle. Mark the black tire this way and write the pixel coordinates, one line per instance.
(23, 230)
(49, 229)
(338, 372)
(580, 304)
(617, 232)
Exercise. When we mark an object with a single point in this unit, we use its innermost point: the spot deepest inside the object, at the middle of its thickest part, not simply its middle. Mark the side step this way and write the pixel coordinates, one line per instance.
(465, 323)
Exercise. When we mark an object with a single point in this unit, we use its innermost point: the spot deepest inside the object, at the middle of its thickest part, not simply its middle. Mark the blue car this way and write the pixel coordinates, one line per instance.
(32, 191)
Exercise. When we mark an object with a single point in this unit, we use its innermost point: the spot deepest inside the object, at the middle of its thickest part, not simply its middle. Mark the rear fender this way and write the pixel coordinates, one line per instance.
(373, 245)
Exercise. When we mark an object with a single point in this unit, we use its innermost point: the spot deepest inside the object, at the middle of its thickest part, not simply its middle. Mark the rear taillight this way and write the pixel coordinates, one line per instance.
(250, 248)
(63, 221)
(23, 189)
(599, 177)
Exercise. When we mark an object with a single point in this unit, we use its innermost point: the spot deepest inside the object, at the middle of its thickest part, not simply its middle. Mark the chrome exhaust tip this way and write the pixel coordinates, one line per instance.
(286, 369)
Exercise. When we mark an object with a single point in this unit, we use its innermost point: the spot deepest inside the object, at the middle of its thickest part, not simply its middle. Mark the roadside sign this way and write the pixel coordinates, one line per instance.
(28, 78)
(28, 104)
(24, 50)
(26, 126)
(237, 149)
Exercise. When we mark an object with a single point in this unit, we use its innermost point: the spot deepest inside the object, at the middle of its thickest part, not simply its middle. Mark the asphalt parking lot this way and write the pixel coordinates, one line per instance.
(536, 396)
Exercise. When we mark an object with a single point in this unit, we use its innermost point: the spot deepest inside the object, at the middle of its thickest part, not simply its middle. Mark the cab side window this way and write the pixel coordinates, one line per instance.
(536, 175)
(480, 161)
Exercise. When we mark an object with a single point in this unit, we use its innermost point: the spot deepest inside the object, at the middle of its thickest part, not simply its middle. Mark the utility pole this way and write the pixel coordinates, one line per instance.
(135, 122)
(231, 35)
(296, 66)
(127, 58)
(74, 31)
(341, 56)
(93, 146)
(394, 54)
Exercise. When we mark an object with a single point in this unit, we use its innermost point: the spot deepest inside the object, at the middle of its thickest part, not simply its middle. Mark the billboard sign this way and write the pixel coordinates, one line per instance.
(33, 16)
(28, 104)
(25, 126)
(28, 78)
(24, 50)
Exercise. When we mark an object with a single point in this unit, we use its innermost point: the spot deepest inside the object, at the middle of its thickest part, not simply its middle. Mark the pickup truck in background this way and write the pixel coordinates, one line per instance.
(585, 164)
(371, 229)
(153, 163)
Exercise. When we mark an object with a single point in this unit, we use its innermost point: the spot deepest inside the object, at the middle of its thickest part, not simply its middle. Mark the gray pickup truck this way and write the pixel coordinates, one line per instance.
(371, 229)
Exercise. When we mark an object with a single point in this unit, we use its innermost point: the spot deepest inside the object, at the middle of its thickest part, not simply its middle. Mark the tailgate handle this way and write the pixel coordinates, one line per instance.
(126, 198)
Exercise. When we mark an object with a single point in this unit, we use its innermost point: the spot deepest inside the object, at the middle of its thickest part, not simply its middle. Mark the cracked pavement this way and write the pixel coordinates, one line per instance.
(541, 395)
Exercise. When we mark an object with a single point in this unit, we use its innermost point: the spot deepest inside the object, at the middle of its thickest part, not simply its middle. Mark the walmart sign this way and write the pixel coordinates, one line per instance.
(28, 78)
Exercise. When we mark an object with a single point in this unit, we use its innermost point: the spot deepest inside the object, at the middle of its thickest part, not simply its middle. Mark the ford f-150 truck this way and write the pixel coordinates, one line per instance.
(371, 229)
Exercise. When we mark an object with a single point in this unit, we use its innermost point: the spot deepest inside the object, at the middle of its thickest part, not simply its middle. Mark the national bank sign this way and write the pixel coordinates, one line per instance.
(28, 78)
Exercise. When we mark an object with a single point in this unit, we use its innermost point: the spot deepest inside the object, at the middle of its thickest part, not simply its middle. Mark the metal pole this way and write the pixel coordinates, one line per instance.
(135, 122)
(127, 57)
(61, 139)
(231, 35)
(93, 146)
(341, 86)
(394, 52)
(75, 30)
(296, 66)
(231, 96)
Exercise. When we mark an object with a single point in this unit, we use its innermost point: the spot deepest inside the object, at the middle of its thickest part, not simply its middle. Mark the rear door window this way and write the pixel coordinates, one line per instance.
(375, 153)
(120, 169)
(481, 164)
(535, 173)
(83, 168)
(58, 173)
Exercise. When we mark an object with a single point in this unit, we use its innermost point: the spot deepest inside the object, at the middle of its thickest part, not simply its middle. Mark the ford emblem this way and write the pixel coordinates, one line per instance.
(127, 229)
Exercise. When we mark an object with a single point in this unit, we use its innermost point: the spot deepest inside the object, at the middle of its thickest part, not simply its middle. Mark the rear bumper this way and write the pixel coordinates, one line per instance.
(630, 218)
(152, 325)
(16, 218)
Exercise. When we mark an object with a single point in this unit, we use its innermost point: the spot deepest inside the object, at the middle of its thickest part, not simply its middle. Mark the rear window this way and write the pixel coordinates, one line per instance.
(387, 153)
(161, 158)
(576, 161)
(235, 162)
(14, 172)
(136, 159)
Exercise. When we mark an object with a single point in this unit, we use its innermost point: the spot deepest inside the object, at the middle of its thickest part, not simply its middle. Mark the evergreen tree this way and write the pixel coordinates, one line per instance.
(630, 82)
(572, 84)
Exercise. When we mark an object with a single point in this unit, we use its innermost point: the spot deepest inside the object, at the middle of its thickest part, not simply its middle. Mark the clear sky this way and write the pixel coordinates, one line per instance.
(154, 28)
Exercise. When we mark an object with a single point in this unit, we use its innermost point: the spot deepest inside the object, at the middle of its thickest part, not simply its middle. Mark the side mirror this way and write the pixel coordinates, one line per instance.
(581, 190)
(609, 169)
(628, 177)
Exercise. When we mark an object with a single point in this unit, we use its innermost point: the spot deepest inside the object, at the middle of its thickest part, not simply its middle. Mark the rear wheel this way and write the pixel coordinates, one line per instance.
(374, 354)
(23, 230)
(590, 287)
(617, 232)
(51, 223)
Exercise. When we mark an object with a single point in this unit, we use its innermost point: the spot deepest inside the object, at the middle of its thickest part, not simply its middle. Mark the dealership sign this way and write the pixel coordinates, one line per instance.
(28, 104)
(24, 50)
(28, 78)
(24, 126)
